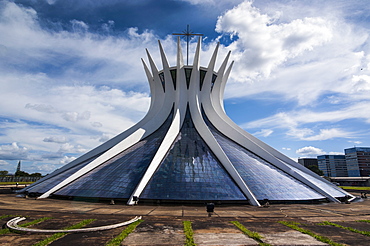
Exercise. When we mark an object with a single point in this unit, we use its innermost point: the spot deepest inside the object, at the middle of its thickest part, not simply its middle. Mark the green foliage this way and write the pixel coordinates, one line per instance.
(308, 232)
(118, 240)
(35, 175)
(188, 230)
(21, 174)
(25, 174)
(354, 188)
(316, 170)
(366, 233)
(58, 235)
(3, 173)
(251, 234)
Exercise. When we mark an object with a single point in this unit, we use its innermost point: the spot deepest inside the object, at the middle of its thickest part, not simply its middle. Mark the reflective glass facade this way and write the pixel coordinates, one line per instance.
(118, 177)
(46, 183)
(190, 171)
(263, 179)
(331, 189)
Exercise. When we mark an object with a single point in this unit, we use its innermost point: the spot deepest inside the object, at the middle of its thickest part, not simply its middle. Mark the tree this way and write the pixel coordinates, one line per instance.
(21, 174)
(35, 175)
(316, 169)
(3, 173)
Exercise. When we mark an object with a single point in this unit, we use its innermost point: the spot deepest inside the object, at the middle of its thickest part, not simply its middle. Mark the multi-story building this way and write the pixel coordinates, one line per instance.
(358, 161)
(308, 162)
(333, 165)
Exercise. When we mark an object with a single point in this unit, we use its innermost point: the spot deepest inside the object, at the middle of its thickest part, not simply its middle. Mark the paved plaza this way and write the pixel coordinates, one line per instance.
(163, 225)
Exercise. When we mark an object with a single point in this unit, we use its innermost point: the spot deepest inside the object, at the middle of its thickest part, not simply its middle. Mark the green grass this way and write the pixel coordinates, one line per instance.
(188, 230)
(251, 234)
(35, 221)
(366, 233)
(367, 221)
(4, 231)
(118, 240)
(323, 239)
(354, 188)
(7, 216)
(7, 230)
(58, 235)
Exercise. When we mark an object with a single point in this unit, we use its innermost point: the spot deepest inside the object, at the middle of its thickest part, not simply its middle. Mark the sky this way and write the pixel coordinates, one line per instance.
(71, 76)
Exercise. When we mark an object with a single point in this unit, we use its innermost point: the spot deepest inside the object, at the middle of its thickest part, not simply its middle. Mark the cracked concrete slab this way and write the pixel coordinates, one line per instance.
(233, 239)
(291, 238)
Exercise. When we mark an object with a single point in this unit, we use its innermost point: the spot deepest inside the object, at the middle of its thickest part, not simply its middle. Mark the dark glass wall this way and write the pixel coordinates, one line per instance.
(190, 171)
(263, 179)
(119, 176)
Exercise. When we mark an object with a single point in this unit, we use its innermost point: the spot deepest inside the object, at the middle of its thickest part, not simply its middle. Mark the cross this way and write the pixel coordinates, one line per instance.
(188, 34)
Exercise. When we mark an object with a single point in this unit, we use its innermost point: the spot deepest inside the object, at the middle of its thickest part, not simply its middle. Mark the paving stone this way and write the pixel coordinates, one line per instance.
(222, 239)
(163, 223)
(290, 238)
(147, 238)
(338, 235)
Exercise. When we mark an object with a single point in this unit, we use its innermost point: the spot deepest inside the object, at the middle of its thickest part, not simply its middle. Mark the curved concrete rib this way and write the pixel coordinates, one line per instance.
(13, 224)
(179, 102)
(203, 130)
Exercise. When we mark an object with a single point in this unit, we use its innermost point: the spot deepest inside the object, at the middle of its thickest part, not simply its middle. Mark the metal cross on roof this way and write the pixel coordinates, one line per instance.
(187, 34)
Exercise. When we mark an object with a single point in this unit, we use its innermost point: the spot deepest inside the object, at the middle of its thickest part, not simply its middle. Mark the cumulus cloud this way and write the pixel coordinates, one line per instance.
(54, 84)
(74, 116)
(310, 151)
(69, 148)
(13, 152)
(264, 44)
(355, 142)
(294, 121)
(56, 139)
(66, 160)
(41, 108)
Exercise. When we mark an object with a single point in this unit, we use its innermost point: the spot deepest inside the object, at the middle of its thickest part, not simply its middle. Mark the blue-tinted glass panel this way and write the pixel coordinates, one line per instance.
(190, 171)
(118, 177)
(49, 183)
(263, 179)
(331, 189)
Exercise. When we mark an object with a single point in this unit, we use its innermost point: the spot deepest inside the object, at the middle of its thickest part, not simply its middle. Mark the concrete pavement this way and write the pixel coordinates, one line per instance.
(163, 224)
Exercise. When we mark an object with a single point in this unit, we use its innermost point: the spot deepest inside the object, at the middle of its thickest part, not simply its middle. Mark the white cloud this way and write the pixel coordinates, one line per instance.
(41, 108)
(3, 163)
(264, 44)
(54, 85)
(68, 148)
(96, 124)
(66, 160)
(294, 122)
(264, 133)
(355, 142)
(310, 151)
(13, 152)
(329, 134)
(361, 83)
(56, 139)
(51, 2)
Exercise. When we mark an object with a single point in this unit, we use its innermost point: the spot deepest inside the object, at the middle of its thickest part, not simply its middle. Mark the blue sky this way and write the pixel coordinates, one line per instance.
(71, 75)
